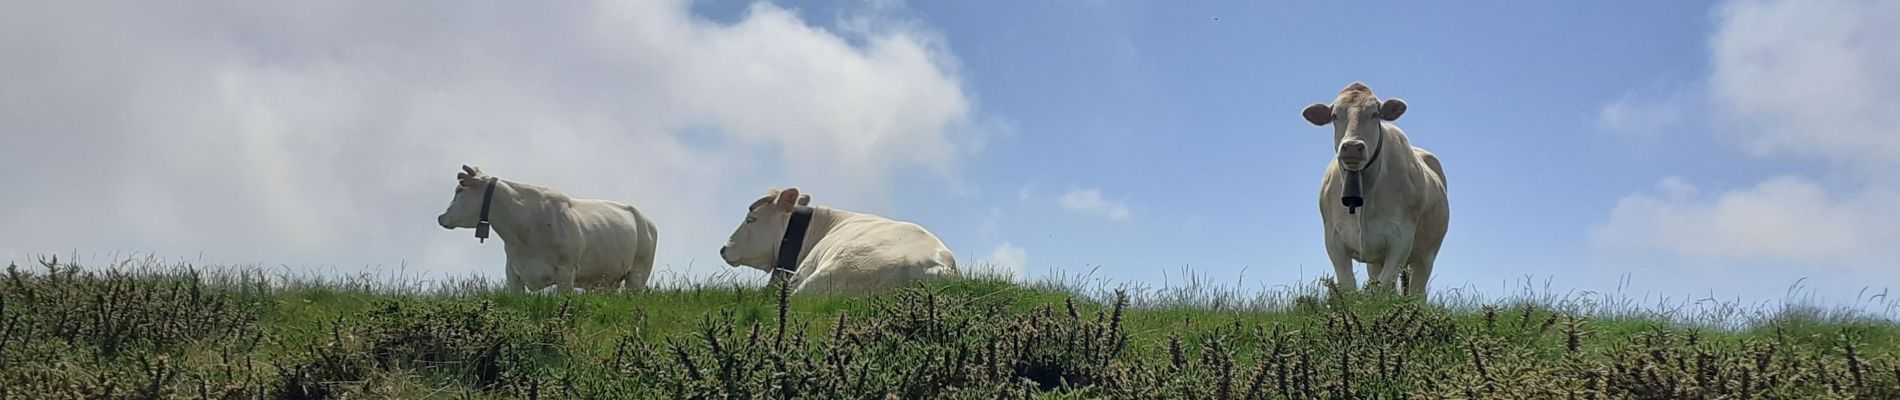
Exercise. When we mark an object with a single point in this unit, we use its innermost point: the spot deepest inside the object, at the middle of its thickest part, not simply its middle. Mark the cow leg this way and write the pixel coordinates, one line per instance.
(1389, 276)
(1342, 265)
(1394, 262)
(602, 287)
(638, 272)
(516, 264)
(1375, 271)
(566, 276)
(1421, 273)
(567, 262)
(514, 281)
(531, 281)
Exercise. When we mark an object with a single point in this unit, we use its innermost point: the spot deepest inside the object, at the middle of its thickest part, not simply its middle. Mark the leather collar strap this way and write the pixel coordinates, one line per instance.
(488, 198)
(1376, 149)
(794, 239)
(1354, 196)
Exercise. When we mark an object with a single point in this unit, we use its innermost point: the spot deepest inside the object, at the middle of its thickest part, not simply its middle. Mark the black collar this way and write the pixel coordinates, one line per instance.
(488, 198)
(1377, 147)
(1354, 196)
(794, 240)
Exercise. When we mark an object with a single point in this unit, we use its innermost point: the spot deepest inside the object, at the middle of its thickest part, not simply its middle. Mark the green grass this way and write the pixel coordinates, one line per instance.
(153, 330)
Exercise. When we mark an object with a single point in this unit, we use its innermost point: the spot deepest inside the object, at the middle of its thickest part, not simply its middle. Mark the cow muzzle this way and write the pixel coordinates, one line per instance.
(1352, 154)
(725, 253)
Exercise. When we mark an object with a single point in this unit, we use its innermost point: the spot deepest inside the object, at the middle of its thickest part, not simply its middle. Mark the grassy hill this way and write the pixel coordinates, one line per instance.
(175, 332)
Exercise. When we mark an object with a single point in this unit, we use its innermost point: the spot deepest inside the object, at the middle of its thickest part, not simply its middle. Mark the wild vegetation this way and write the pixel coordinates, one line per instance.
(172, 331)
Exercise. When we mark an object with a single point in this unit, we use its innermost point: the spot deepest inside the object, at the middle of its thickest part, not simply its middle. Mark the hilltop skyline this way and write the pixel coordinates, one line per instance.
(1723, 149)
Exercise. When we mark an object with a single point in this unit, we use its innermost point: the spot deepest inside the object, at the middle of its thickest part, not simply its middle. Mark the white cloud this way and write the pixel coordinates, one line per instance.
(987, 229)
(329, 133)
(1005, 260)
(1790, 79)
(1811, 79)
(1647, 114)
(1090, 201)
(1785, 219)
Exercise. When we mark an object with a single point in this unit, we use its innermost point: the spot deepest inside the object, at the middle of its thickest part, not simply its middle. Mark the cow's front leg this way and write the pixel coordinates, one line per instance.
(565, 270)
(516, 264)
(1421, 274)
(1394, 262)
(1373, 273)
(514, 281)
(568, 248)
(569, 272)
(567, 275)
(1343, 276)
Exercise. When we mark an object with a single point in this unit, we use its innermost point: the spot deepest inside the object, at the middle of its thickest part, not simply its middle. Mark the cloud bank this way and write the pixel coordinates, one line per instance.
(1793, 80)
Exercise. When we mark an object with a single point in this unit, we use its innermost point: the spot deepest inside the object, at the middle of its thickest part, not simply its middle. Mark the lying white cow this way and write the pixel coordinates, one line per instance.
(1402, 188)
(550, 238)
(828, 250)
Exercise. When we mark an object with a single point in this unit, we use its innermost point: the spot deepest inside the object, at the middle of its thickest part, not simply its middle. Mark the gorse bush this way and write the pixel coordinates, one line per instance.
(103, 315)
(70, 332)
(59, 327)
(473, 344)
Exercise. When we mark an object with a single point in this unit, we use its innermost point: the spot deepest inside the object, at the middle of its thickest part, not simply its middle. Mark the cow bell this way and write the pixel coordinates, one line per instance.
(1353, 198)
(481, 231)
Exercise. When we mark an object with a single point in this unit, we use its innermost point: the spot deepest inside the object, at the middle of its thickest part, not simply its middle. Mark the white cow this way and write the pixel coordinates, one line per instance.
(837, 251)
(552, 239)
(1405, 210)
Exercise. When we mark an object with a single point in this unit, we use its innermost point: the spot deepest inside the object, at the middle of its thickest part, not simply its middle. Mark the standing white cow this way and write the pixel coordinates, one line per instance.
(550, 238)
(834, 251)
(1387, 209)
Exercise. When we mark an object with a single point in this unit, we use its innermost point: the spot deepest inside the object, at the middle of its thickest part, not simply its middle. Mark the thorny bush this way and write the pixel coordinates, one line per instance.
(67, 332)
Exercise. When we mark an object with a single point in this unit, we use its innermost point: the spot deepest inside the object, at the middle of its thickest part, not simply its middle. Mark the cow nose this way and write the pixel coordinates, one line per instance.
(1352, 147)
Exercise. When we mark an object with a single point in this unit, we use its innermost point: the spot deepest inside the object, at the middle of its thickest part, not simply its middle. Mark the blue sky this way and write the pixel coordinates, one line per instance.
(1583, 141)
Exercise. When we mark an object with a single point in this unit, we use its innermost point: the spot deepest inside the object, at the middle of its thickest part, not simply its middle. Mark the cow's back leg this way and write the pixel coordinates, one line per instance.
(641, 269)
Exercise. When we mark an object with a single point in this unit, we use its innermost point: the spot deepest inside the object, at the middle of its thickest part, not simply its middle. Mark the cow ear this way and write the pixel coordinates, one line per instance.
(1392, 109)
(1318, 114)
(804, 200)
(786, 199)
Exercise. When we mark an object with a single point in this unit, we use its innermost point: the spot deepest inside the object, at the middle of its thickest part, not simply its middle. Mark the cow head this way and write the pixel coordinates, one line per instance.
(1357, 118)
(755, 244)
(465, 209)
